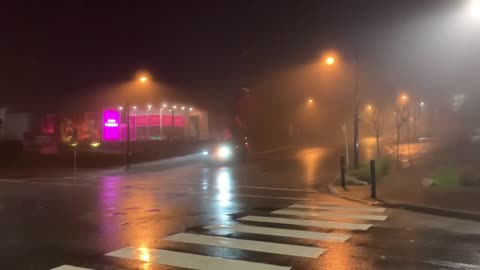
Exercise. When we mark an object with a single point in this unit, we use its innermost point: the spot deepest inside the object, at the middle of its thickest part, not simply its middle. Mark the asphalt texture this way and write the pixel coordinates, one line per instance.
(186, 215)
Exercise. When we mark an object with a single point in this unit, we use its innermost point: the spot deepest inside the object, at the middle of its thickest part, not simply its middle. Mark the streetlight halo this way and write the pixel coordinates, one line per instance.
(330, 60)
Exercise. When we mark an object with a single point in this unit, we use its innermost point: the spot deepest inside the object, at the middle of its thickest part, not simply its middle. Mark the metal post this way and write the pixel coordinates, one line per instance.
(342, 173)
(75, 164)
(355, 116)
(172, 132)
(373, 183)
(161, 122)
(127, 143)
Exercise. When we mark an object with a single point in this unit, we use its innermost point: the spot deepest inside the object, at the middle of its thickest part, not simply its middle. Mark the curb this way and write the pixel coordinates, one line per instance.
(412, 207)
(332, 190)
(433, 211)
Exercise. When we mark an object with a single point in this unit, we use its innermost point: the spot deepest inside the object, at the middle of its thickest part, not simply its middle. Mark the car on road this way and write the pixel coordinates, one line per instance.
(227, 151)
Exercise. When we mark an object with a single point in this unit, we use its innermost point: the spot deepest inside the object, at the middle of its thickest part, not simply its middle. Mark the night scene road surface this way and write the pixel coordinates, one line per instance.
(271, 213)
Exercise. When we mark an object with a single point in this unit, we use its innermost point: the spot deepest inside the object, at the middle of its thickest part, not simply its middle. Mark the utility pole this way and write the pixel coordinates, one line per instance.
(127, 143)
(355, 114)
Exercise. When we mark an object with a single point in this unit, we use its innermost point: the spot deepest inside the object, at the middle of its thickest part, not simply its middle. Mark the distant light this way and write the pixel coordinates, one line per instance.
(170, 110)
(330, 61)
(149, 107)
(205, 153)
(174, 106)
(95, 144)
(143, 79)
(404, 97)
(183, 108)
(475, 8)
(369, 107)
(422, 103)
(310, 100)
(134, 107)
(224, 152)
(190, 109)
(120, 108)
(164, 105)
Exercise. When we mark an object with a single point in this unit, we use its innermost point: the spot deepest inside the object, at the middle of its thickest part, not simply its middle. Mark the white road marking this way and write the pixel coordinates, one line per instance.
(191, 261)
(280, 189)
(199, 183)
(334, 237)
(69, 267)
(306, 222)
(328, 214)
(284, 249)
(271, 197)
(328, 207)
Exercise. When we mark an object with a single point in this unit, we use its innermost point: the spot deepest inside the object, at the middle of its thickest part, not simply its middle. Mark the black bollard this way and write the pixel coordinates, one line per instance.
(373, 182)
(342, 173)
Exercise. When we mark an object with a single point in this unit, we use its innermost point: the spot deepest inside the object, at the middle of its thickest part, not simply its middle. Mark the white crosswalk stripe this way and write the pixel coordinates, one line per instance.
(69, 267)
(328, 214)
(303, 216)
(284, 249)
(192, 261)
(339, 208)
(334, 237)
(309, 222)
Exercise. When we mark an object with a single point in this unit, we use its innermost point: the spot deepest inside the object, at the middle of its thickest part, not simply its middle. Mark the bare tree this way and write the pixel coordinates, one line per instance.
(401, 117)
(376, 117)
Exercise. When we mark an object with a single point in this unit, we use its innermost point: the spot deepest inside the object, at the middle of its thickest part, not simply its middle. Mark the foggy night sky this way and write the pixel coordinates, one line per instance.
(53, 52)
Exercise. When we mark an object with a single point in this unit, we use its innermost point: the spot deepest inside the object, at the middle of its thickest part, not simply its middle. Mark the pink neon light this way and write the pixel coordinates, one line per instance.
(111, 130)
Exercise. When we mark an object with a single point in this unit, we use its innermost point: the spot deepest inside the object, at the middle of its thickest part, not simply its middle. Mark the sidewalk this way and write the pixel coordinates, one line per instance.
(403, 188)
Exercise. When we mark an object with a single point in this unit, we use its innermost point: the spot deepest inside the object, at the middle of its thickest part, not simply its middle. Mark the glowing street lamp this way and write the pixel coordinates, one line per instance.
(310, 101)
(183, 108)
(120, 108)
(330, 61)
(174, 106)
(143, 79)
(422, 103)
(369, 107)
(190, 109)
(149, 107)
(475, 8)
(164, 105)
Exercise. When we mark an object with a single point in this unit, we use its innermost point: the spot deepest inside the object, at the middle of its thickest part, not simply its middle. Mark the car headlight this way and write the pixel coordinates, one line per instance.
(224, 152)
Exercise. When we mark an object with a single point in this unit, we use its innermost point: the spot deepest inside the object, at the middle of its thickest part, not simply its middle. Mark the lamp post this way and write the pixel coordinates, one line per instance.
(330, 61)
(149, 108)
(128, 153)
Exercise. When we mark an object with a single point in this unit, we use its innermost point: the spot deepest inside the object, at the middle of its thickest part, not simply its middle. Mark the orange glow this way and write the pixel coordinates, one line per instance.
(143, 79)
(330, 61)
(369, 107)
(144, 253)
(310, 100)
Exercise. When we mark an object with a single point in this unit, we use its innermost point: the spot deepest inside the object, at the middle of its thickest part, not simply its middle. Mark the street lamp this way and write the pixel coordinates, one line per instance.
(310, 101)
(422, 103)
(475, 8)
(142, 79)
(369, 107)
(330, 61)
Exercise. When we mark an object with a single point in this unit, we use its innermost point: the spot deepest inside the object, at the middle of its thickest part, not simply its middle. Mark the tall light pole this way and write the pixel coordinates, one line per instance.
(142, 79)
(330, 61)
(355, 114)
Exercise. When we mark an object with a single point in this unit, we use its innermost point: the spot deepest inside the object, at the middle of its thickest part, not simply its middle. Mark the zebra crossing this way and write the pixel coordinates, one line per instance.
(306, 220)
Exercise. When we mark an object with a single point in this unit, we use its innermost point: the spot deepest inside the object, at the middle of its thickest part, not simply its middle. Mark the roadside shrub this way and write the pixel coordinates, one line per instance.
(382, 168)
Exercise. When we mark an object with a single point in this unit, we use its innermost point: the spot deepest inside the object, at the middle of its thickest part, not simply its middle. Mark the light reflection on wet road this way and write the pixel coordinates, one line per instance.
(48, 225)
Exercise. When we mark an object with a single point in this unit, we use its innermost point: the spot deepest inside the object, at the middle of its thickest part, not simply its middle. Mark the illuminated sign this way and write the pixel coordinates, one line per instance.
(111, 122)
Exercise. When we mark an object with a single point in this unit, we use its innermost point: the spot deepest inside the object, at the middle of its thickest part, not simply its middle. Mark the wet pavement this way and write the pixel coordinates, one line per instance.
(272, 213)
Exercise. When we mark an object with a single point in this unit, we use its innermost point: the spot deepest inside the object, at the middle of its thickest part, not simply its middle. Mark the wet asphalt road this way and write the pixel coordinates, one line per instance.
(156, 216)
